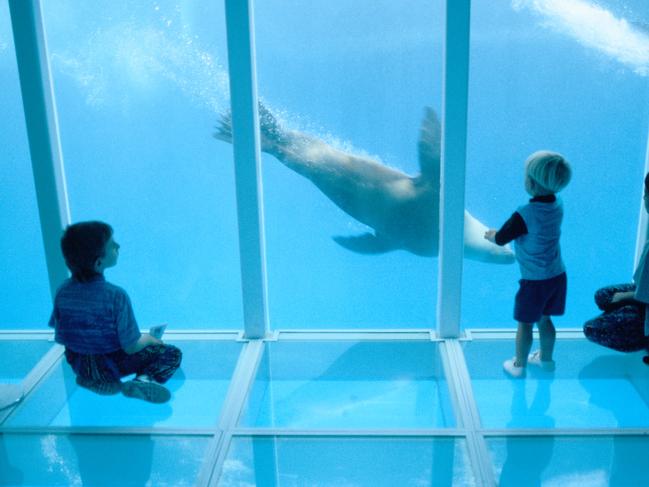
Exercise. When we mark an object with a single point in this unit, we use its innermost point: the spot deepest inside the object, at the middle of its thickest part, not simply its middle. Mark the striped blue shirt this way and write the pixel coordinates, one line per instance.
(93, 317)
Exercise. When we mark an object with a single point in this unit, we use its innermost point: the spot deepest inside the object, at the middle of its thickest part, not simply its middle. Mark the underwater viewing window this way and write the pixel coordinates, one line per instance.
(351, 128)
(138, 90)
(26, 301)
(340, 254)
(540, 79)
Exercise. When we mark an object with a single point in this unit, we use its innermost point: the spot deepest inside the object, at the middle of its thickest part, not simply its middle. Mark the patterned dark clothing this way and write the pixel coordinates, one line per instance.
(95, 322)
(621, 325)
(159, 362)
(93, 317)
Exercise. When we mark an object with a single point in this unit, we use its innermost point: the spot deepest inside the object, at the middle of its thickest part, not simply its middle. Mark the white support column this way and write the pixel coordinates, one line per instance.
(245, 138)
(42, 131)
(454, 114)
(642, 220)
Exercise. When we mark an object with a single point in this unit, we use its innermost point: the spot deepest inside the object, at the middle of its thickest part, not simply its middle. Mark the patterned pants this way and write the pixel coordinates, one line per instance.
(157, 361)
(621, 325)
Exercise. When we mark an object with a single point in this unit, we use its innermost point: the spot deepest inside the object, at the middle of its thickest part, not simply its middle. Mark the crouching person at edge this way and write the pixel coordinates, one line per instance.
(94, 321)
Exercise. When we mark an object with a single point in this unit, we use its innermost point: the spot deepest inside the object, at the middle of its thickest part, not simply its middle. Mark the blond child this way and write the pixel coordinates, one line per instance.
(535, 229)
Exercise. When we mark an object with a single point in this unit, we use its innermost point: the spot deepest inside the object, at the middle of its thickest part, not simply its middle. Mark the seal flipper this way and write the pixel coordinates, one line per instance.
(429, 146)
(367, 243)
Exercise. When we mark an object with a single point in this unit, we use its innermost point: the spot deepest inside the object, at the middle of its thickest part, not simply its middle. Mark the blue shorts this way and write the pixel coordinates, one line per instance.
(537, 298)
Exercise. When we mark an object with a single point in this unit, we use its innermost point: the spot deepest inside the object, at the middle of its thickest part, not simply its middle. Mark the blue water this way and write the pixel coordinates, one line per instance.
(139, 90)
(339, 385)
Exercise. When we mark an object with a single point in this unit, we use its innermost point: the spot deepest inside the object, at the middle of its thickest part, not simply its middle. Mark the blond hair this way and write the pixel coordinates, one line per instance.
(548, 172)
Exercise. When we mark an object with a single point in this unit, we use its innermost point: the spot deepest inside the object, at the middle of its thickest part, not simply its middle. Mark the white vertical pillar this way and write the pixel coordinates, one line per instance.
(453, 169)
(245, 138)
(42, 131)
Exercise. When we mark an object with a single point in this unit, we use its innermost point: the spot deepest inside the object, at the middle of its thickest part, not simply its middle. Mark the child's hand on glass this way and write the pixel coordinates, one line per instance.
(490, 235)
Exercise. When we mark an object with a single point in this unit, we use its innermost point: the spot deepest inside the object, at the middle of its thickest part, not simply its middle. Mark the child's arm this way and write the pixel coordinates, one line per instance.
(511, 230)
(144, 341)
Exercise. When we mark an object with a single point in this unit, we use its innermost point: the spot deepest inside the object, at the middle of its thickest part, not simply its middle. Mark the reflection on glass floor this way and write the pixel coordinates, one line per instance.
(349, 385)
(360, 412)
(592, 388)
(19, 357)
(198, 389)
(272, 461)
(106, 460)
(570, 461)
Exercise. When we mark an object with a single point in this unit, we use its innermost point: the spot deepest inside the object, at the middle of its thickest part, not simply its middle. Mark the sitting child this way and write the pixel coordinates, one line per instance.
(624, 323)
(94, 320)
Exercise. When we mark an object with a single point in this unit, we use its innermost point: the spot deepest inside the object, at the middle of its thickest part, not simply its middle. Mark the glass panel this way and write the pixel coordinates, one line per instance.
(542, 79)
(349, 78)
(350, 385)
(569, 461)
(347, 461)
(591, 388)
(24, 354)
(138, 88)
(26, 301)
(198, 389)
(108, 460)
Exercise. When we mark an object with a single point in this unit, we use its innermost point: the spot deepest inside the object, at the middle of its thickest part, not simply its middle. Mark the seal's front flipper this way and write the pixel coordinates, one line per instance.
(367, 243)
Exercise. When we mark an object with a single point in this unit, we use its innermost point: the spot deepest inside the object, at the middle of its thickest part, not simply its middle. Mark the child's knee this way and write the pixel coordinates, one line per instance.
(174, 355)
(603, 297)
(545, 324)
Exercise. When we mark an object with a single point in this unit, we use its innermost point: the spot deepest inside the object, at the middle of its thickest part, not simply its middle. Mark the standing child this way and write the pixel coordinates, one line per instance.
(535, 229)
(94, 320)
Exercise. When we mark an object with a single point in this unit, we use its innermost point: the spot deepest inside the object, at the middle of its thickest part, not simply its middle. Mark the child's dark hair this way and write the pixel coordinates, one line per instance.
(82, 244)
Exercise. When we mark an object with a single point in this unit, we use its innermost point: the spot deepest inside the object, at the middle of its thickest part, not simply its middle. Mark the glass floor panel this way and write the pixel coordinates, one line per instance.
(349, 385)
(198, 389)
(319, 461)
(592, 387)
(20, 357)
(97, 460)
(619, 461)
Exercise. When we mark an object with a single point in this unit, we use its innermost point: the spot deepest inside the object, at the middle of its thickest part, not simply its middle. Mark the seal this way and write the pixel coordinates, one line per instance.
(402, 210)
